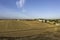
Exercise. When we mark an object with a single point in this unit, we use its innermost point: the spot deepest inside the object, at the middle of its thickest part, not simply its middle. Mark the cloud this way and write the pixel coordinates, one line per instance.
(20, 3)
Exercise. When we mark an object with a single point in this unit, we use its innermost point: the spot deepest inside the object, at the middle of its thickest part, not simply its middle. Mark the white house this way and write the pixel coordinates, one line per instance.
(18, 19)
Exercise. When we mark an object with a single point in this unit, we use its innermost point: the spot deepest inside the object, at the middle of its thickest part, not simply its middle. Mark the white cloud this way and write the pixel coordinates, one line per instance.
(20, 3)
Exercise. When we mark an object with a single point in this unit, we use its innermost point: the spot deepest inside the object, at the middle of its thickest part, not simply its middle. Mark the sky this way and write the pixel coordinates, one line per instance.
(18, 9)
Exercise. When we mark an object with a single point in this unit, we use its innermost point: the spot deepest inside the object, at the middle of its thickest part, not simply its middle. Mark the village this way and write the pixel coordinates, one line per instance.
(49, 21)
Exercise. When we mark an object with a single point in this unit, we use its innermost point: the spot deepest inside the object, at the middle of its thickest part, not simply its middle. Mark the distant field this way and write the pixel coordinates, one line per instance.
(28, 29)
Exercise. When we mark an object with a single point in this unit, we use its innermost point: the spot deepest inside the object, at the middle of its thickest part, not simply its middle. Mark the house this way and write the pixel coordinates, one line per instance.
(18, 19)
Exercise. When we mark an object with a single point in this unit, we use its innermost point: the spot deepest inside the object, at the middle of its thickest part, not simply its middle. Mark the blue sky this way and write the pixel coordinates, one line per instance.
(30, 9)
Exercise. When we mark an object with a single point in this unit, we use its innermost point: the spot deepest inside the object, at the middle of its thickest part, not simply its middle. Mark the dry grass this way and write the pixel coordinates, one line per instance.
(26, 29)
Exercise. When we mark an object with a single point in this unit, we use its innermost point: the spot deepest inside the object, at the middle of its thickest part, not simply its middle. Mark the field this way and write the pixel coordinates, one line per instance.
(28, 30)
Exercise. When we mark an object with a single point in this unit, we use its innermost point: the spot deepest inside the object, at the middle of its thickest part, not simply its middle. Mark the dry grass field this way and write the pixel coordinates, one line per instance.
(28, 30)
